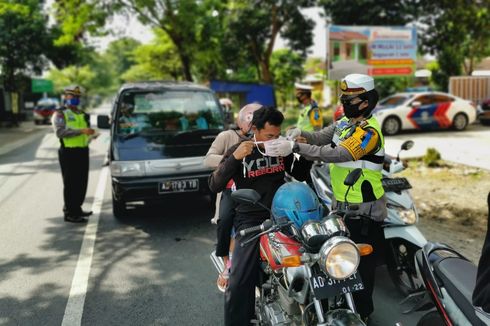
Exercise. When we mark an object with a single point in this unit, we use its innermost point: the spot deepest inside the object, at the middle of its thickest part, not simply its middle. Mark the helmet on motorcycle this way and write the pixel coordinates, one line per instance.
(358, 88)
(245, 115)
(296, 202)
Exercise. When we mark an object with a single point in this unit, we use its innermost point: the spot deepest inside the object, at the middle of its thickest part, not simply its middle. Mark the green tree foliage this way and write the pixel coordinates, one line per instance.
(371, 12)
(23, 37)
(189, 24)
(252, 30)
(458, 33)
(79, 18)
(120, 56)
(158, 60)
(286, 67)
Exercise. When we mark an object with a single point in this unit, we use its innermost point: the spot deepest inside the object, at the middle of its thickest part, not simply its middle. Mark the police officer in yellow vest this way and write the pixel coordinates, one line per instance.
(355, 141)
(71, 126)
(310, 117)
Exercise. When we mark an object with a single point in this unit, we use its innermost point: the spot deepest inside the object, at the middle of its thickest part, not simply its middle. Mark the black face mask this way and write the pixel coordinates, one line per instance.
(352, 110)
(299, 99)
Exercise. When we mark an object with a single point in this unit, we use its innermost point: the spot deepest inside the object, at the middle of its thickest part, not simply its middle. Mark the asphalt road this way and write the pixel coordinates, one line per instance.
(152, 268)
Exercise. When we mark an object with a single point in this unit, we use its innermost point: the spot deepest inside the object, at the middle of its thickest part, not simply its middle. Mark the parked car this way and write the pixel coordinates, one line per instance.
(424, 110)
(160, 132)
(484, 114)
(44, 109)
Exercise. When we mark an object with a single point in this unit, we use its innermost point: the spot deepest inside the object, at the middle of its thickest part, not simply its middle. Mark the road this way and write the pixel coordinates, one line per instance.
(152, 268)
(470, 147)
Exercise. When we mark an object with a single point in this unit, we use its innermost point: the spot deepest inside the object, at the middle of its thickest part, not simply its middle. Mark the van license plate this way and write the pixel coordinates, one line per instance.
(171, 186)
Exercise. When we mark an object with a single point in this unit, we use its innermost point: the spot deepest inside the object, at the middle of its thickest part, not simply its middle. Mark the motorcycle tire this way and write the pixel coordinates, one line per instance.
(401, 265)
(431, 318)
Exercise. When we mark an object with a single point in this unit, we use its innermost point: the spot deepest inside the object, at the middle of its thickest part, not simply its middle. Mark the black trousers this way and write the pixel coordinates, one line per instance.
(371, 232)
(225, 223)
(244, 276)
(74, 164)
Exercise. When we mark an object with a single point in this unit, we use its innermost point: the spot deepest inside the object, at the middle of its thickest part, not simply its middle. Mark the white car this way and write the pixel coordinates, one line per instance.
(424, 110)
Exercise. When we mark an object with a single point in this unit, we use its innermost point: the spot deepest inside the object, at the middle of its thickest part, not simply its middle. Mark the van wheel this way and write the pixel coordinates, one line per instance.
(119, 208)
(431, 318)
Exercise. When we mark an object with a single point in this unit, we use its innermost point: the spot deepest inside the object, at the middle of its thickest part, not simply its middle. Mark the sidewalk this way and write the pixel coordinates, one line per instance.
(12, 138)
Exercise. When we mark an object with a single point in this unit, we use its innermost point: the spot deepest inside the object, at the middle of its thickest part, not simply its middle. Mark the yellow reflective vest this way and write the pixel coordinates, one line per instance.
(75, 121)
(371, 166)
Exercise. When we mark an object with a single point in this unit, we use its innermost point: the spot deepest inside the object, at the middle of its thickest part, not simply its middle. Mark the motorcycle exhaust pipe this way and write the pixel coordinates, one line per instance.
(218, 262)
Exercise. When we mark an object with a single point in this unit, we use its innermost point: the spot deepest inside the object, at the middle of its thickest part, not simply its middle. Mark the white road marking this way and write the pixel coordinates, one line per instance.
(78, 291)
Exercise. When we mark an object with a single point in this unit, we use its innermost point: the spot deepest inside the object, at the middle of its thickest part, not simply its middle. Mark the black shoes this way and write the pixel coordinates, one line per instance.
(85, 214)
(75, 219)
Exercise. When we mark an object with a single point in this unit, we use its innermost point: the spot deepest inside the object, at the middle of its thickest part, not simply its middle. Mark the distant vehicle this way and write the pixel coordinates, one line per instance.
(424, 110)
(484, 114)
(160, 133)
(44, 109)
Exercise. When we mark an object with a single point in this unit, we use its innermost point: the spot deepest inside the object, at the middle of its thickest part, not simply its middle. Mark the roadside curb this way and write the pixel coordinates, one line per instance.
(6, 148)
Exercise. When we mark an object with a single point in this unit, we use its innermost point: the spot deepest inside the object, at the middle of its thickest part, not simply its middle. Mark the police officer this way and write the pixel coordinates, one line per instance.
(310, 118)
(72, 128)
(355, 141)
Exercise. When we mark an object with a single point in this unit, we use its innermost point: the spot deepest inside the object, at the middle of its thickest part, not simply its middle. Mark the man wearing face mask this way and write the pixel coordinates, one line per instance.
(355, 141)
(309, 118)
(72, 128)
(250, 167)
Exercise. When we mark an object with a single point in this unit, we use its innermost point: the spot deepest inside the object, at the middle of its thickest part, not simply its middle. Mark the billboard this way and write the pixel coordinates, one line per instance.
(378, 51)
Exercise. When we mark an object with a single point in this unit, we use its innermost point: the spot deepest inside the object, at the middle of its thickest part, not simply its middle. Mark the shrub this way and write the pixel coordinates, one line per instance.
(432, 157)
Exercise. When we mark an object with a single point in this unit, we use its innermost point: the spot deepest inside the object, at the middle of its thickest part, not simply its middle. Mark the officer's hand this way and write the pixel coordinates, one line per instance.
(244, 149)
(293, 133)
(87, 131)
(301, 139)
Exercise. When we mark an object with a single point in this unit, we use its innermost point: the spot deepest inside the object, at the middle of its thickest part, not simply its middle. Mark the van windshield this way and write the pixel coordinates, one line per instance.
(157, 112)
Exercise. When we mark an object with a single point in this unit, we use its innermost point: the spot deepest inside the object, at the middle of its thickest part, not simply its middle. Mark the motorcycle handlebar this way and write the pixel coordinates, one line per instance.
(267, 224)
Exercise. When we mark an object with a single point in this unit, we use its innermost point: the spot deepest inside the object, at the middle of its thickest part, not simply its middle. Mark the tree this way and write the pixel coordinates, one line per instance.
(371, 12)
(458, 33)
(286, 67)
(23, 38)
(254, 28)
(186, 22)
(156, 61)
(120, 56)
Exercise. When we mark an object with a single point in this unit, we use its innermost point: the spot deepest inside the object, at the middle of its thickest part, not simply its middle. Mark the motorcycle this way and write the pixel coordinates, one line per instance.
(402, 237)
(308, 274)
(449, 279)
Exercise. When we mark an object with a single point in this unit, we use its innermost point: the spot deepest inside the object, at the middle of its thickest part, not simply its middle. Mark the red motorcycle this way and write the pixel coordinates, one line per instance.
(309, 273)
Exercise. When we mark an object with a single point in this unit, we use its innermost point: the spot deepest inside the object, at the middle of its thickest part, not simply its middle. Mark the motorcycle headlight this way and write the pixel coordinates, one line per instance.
(339, 258)
(127, 169)
(408, 216)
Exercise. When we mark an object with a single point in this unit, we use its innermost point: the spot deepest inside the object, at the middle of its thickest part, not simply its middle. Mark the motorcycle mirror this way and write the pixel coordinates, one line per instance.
(246, 196)
(407, 145)
(352, 177)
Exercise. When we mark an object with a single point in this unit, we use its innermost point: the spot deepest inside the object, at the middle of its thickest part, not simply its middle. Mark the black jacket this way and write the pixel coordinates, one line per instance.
(264, 174)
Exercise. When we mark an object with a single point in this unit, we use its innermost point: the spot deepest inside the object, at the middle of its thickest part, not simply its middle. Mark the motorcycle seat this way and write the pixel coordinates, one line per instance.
(459, 278)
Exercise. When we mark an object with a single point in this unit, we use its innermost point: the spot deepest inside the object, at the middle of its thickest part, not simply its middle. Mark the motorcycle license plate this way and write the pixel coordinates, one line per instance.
(172, 186)
(395, 184)
(325, 287)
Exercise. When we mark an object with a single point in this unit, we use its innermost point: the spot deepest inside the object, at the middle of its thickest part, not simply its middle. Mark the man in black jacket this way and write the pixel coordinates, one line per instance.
(247, 164)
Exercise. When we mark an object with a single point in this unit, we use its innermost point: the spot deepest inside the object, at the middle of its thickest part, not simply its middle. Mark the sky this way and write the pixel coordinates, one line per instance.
(129, 26)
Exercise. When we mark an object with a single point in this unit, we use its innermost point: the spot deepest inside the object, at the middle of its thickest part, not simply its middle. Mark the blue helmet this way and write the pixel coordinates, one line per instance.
(296, 202)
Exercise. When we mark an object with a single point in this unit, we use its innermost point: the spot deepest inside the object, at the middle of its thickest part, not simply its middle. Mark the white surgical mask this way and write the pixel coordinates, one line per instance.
(267, 145)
